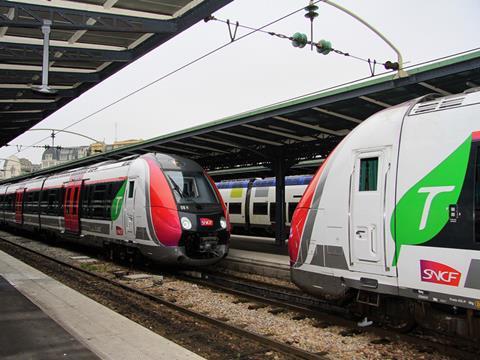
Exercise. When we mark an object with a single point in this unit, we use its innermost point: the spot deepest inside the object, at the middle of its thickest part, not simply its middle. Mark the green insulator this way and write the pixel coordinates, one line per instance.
(324, 47)
(299, 40)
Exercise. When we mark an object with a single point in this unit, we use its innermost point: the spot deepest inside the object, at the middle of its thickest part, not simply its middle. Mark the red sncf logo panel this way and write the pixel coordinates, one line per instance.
(206, 222)
(438, 273)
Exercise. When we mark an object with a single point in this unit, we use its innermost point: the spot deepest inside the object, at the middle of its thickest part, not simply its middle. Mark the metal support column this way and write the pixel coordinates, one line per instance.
(280, 170)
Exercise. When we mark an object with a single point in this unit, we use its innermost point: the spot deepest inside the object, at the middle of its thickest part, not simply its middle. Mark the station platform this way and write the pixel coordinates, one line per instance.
(257, 255)
(40, 318)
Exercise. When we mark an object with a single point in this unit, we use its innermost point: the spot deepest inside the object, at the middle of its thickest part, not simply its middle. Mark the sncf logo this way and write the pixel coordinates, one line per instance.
(206, 222)
(438, 273)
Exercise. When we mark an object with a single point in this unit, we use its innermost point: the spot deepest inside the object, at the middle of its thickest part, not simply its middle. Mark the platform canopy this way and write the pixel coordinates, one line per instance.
(89, 41)
(303, 130)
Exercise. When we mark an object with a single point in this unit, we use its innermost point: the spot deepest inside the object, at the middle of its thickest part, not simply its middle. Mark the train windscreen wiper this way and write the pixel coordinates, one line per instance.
(176, 187)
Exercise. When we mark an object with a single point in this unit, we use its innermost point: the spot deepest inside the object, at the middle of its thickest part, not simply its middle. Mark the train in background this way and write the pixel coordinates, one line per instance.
(163, 207)
(393, 214)
(251, 202)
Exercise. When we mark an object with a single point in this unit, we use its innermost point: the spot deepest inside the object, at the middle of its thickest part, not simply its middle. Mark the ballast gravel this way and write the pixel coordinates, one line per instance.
(328, 340)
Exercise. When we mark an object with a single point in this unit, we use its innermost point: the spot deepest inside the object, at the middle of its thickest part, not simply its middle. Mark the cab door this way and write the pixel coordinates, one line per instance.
(129, 213)
(19, 206)
(367, 210)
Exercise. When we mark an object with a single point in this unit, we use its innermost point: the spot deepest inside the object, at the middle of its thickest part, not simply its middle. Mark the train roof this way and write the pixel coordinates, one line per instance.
(289, 181)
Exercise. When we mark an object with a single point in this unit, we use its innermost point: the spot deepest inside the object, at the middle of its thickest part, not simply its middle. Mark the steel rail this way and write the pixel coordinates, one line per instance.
(270, 343)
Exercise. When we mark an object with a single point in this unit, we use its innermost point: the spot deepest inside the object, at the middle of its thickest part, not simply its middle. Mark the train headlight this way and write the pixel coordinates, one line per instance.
(186, 223)
(223, 223)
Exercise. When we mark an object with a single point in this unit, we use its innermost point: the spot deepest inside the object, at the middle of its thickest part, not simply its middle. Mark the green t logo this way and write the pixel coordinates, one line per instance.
(432, 193)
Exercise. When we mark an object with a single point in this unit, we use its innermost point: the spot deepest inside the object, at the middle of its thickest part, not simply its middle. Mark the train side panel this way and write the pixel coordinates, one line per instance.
(437, 240)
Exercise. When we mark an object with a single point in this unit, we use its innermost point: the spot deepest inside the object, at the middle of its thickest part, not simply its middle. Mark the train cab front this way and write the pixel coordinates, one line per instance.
(201, 220)
(307, 267)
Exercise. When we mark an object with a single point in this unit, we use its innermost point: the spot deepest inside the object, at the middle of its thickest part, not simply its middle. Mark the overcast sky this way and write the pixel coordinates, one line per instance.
(260, 69)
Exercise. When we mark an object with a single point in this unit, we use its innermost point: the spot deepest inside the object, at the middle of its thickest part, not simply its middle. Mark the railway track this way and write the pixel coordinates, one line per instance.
(261, 344)
(278, 298)
(313, 307)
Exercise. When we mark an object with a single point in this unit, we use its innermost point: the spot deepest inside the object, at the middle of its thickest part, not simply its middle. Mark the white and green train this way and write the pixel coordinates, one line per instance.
(395, 209)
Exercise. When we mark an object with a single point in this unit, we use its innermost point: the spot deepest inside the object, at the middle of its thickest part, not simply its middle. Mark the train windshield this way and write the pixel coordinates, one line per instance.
(190, 187)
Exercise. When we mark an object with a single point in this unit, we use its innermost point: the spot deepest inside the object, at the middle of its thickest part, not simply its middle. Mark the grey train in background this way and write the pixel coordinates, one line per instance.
(251, 202)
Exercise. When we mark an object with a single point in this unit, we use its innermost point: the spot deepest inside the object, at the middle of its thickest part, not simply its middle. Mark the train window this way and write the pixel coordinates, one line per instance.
(46, 201)
(291, 209)
(98, 198)
(260, 208)
(477, 196)
(131, 188)
(235, 208)
(272, 211)
(368, 174)
(261, 192)
(190, 187)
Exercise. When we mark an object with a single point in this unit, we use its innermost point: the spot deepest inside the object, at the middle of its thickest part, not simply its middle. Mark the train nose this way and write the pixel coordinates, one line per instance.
(296, 230)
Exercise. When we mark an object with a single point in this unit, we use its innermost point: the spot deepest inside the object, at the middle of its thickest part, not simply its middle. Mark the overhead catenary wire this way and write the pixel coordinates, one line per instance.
(211, 52)
(290, 38)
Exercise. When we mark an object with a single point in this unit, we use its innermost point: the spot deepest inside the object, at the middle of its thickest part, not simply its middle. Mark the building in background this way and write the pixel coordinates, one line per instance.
(14, 166)
(56, 156)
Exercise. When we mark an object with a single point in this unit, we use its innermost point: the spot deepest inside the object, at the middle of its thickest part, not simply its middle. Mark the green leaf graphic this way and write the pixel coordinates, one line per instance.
(117, 202)
(423, 211)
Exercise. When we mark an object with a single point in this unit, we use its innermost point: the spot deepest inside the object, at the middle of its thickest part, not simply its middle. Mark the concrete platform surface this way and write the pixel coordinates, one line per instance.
(259, 258)
(102, 331)
(257, 244)
(260, 263)
(26, 332)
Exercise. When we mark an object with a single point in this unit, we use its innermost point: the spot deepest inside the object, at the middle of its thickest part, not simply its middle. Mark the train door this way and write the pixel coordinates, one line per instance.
(129, 212)
(71, 206)
(19, 206)
(367, 211)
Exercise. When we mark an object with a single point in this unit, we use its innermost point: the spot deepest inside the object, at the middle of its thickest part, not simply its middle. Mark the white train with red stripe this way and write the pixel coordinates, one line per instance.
(161, 206)
(394, 212)
(251, 202)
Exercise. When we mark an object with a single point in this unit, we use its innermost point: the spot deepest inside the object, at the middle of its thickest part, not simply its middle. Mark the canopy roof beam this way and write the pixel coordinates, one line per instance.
(341, 116)
(434, 88)
(200, 147)
(251, 138)
(27, 15)
(30, 52)
(376, 102)
(312, 127)
(279, 133)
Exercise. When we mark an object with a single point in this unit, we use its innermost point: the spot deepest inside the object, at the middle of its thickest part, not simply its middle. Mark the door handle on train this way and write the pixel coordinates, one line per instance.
(358, 232)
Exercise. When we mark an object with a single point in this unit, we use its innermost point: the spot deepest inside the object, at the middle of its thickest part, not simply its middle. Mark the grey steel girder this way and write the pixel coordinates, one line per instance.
(32, 16)
(29, 52)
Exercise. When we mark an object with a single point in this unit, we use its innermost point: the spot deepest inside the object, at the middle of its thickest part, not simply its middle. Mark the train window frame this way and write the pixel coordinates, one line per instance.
(235, 208)
(364, 174)
(131, 189)
(75, 201)
(476, 196)
(67, 199)
(263, 206)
